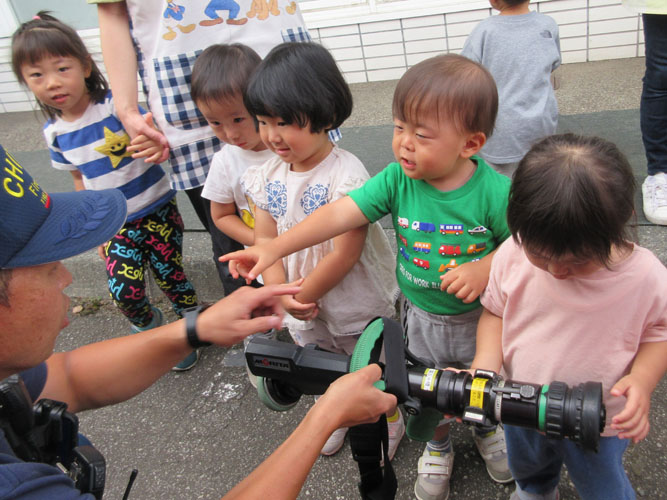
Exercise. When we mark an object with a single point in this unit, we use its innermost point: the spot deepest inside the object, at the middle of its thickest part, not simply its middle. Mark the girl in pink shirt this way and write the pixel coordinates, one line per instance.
(571, 298)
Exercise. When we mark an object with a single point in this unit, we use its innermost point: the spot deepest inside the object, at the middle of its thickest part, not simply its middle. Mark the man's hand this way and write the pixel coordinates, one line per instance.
(350, 400)
(353, 400)
(244, 312)
(250, 263)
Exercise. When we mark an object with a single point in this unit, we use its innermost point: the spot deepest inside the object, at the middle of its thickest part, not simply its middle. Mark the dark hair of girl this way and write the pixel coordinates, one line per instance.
(300, 83)
(572, 195)
(44, 36)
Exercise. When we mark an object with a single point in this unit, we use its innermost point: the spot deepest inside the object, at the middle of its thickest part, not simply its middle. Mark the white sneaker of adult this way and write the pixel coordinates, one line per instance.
(654, 192)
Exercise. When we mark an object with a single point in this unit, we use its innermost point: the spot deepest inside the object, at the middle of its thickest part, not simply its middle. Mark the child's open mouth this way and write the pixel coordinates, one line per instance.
(410, 165)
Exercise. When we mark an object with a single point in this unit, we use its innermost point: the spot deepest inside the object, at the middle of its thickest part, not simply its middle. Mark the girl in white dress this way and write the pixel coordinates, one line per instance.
(297, 95)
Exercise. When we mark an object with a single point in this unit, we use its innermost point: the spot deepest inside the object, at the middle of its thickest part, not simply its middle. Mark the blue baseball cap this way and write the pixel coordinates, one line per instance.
(38, 228)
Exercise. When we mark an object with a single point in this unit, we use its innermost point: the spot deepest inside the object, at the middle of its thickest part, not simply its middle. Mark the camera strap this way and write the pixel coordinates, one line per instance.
(370, 442)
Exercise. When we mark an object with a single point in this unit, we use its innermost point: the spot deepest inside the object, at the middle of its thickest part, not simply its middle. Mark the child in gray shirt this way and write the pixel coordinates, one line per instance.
(520, 49)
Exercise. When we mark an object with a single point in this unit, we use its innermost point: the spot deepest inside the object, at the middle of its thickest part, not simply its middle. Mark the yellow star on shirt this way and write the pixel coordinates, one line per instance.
(115, 147)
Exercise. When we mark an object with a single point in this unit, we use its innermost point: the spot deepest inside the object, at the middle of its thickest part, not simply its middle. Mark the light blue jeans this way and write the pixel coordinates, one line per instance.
(536, 462)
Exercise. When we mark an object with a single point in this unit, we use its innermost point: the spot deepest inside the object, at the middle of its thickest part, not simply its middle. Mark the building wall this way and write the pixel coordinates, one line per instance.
(375, 40)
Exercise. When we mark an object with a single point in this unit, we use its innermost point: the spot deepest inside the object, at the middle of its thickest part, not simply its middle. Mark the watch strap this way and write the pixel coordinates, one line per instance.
(190, 314)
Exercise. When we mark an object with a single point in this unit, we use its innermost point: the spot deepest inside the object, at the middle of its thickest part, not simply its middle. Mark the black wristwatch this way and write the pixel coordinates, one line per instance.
(190, 314)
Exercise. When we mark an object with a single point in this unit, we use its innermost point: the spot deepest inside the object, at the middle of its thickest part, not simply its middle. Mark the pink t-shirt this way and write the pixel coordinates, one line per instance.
(579, 329)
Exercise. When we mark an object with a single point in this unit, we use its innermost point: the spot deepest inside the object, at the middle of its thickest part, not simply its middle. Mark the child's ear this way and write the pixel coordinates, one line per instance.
(473, 144)
(88, 67)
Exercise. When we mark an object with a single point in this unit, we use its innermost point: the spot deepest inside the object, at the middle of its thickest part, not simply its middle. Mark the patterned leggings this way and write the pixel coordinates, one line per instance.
(155, 240)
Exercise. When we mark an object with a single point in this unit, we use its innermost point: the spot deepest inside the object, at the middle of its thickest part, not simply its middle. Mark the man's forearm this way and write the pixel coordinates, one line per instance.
(116, 369)
(290, 464)
(350, 400)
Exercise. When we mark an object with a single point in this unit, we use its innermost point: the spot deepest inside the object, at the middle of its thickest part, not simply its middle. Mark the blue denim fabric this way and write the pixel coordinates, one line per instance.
(536, 462)
(653, 106)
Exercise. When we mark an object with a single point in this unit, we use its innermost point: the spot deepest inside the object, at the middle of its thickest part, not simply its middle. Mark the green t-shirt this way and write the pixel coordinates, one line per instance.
(437, 230)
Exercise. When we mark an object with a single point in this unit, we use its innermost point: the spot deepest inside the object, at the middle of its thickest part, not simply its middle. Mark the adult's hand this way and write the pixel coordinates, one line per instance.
(353, 399)
(151, 149)
(136, 125)
(120, 60)
(246, 311)
(350, 400)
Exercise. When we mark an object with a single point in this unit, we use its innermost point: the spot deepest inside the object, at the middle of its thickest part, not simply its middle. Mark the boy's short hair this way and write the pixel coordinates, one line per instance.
(451, 86)
(300, 83)
(222, 72)
(572, 195)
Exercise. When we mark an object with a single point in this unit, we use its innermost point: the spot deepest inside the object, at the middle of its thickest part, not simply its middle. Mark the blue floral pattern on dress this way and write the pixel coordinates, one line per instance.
(276, 196)
(314, 197)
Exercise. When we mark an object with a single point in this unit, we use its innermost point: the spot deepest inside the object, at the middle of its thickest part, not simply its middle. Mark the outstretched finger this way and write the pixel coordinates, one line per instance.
(268, 291)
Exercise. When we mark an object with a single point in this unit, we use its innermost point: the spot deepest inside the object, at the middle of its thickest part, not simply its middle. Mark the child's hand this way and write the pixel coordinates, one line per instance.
(466, 281)
(633, 421)
(249, 263)
(135, 124)
(100, 251)
(304, 312)
(146, 147)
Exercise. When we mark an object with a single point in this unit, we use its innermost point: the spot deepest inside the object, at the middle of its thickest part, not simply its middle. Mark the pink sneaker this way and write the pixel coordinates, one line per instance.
(396, 432)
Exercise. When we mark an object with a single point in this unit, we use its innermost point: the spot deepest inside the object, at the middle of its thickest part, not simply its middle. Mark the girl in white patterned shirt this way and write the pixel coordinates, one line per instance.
(297, 95)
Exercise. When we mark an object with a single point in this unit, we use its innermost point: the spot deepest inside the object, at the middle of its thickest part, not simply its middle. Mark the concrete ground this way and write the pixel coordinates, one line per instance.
(196, 434)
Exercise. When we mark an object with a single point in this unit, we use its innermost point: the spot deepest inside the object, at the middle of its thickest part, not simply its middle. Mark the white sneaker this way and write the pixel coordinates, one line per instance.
(654, 192)
(335, 442)
(494, 452)
(433, 474)
(396, 431)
